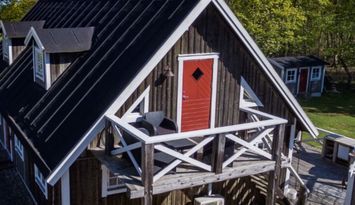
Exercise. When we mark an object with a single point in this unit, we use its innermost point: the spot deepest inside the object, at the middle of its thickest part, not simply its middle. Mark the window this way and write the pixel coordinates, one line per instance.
(40, 181)
(19, 147)
(316, 73)
(39, 64)
(111, 184)
(291, 75)
(5, 48)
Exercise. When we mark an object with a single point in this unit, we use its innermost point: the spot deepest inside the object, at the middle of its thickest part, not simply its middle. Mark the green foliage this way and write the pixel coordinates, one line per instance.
(300, 27)
(15, 10)
(274, 24)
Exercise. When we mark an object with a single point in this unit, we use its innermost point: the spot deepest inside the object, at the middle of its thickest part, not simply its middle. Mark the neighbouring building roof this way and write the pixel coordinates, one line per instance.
(62, 40)
(297, 61)
(19, 29)
(128, 36)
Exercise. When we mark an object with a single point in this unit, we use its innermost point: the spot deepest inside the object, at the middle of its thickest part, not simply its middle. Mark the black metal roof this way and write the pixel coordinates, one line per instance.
(66, 40)
(297, 61)
(20, 29)
(127, 34)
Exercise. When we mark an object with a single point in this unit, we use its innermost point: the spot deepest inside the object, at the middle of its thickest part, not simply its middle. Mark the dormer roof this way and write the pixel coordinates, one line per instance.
(19, 29)
(62, 40)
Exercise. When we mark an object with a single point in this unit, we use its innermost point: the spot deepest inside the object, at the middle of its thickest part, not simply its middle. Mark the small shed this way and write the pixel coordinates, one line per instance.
(337, 148)
(303, 75)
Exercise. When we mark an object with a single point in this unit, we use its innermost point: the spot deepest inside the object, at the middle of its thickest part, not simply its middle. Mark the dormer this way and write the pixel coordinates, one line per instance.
(14, 34)
(55, 49)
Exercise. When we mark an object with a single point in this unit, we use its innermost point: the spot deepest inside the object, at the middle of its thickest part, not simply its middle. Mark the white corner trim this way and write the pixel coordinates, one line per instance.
(32, 34)
(265, 65)
(65, 188)
(11, 56)
(47, 70)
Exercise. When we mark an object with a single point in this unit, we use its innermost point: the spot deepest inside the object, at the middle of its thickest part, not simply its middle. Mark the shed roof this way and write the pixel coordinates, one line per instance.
(19, 29)
(297, 61)
(62, 40)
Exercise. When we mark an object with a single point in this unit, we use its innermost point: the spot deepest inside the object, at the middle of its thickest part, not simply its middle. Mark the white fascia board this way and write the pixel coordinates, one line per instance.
(121, 99)
(265, 65)
(3, 28)
(33, 34)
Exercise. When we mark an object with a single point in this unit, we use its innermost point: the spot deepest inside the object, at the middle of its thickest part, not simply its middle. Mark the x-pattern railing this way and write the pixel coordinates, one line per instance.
(265, 128)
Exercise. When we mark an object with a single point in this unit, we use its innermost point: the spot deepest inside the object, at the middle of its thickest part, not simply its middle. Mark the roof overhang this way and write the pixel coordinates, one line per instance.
(32, 34)
(19, 29)
(229, 16)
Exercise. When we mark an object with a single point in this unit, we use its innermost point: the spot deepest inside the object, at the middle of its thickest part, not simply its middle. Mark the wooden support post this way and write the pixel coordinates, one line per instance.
(147, 173)
(335, 152)
(274, 176)
(218, 153)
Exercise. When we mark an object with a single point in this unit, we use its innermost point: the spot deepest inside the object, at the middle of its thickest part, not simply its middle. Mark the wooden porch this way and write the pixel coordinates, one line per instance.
(184, 176)
(218, 154)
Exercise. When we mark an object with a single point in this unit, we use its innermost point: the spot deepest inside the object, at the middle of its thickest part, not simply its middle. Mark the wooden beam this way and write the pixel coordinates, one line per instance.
(274, 176)
(147, 173)
(219, 143)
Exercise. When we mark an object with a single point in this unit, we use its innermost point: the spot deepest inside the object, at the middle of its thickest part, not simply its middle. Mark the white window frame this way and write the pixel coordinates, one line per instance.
(143, 102)
(19, 148)
(198, 56)
(7, 46)
(319, 73)
(40, 181)
(106, 189)
(287, 74)
(46, 78)
(244, 87)
(41, 77)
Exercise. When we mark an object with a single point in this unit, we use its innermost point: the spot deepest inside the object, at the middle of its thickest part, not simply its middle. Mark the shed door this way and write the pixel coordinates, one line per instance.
(303, 81)
(196, 94)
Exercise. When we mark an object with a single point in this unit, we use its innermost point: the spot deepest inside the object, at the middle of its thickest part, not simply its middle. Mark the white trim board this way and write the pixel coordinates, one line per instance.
(33, 34)
(156, 58)
(199, 56)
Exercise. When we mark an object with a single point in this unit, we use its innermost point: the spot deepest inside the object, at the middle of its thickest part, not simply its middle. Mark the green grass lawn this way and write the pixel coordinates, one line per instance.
(333, 111)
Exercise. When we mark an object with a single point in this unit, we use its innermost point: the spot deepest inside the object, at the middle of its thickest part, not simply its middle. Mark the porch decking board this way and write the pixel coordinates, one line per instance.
(185, 176)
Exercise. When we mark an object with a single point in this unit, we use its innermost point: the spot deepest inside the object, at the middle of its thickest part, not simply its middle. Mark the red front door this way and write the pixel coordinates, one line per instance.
(196, 94)
(303, 81)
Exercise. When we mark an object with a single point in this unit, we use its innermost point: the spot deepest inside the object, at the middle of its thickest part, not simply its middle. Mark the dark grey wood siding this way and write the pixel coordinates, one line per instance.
(59, 62)
(18, 46)
(210, 33)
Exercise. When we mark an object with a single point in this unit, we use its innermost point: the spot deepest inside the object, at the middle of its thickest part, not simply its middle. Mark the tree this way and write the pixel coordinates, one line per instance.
(274, 24)
(15, 10)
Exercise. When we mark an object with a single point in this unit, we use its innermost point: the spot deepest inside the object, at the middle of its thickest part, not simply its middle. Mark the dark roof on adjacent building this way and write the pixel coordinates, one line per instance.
(20, 29)
(64, 40)
(127, 34)
(297, 61)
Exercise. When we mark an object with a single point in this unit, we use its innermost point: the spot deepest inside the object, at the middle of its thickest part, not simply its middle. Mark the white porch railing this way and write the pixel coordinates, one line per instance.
(265, 127)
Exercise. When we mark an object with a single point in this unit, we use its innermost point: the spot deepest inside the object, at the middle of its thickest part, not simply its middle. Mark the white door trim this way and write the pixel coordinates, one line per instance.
(199, 56)
(299, 78)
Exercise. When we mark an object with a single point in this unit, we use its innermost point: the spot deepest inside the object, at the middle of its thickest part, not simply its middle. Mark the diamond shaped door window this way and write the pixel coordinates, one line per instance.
(197, 74)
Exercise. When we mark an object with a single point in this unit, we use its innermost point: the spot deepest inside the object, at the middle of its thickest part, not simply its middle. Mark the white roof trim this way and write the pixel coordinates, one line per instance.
(32, 34)
(266, 66)
(3, 27)
(164, 49)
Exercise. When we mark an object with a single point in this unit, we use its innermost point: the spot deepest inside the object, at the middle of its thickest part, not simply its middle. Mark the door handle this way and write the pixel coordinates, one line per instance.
(185, 97)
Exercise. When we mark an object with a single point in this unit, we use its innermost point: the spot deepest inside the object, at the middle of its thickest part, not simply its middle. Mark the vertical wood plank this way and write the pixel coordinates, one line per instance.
(147, 172)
